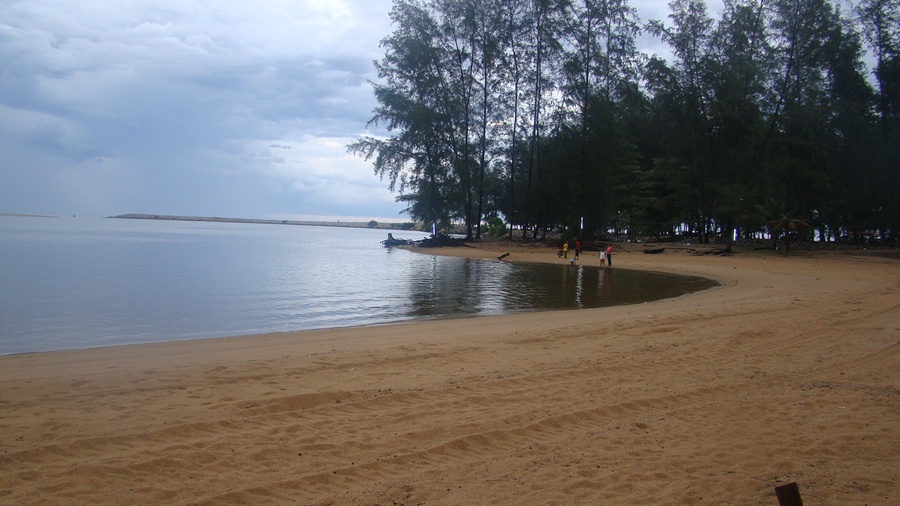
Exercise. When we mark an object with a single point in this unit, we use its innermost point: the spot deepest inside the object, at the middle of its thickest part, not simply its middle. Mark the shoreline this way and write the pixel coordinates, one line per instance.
(535, 255)
(786, 372)
(392, 226)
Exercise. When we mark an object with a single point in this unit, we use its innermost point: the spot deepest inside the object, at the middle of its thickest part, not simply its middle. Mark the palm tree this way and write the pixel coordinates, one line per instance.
(781, 222)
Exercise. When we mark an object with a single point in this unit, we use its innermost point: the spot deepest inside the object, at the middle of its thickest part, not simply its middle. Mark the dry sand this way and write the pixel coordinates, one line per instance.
(788, 372)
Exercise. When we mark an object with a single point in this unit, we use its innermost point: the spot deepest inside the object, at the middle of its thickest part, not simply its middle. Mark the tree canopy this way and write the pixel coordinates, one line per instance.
(544, 114)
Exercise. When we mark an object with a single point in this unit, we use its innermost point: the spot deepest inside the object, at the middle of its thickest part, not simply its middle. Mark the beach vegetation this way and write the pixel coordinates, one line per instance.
(545, 113)
(782, 223)
(496, 227)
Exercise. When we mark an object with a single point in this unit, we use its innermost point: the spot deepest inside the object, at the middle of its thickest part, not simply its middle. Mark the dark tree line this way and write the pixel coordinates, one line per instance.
(545, 113)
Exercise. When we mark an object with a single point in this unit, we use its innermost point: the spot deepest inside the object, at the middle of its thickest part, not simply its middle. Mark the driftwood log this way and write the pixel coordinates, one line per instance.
(435, 241)
(391, 242)
(654, 251)
(711, 252)
(440, 241)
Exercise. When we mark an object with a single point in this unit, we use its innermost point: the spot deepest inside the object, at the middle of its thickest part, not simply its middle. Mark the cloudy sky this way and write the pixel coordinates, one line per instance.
(193, 107)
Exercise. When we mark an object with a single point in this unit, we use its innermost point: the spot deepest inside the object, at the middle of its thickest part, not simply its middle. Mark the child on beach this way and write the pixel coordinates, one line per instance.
(602, 258)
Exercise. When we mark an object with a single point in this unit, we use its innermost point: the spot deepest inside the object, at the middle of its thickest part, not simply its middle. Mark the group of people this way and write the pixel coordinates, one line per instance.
(605, 254)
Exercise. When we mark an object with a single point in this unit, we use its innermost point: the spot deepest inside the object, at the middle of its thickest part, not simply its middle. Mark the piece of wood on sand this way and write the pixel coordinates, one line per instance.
(788, 495)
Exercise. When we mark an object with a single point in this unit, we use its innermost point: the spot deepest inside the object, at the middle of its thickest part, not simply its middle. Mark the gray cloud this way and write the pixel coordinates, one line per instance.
(185, 107)
(190, 107)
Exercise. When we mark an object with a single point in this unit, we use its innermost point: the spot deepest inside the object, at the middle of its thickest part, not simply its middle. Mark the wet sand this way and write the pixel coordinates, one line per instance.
(788, 372)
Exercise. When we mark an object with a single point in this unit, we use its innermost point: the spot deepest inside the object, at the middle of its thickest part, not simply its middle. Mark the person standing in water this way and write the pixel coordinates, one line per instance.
(609, 254)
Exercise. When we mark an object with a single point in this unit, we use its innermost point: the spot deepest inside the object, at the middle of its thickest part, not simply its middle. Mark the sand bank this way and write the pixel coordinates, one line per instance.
(790, 371)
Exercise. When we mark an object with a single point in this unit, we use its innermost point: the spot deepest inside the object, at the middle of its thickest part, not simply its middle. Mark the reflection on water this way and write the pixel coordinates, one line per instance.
(447, 286)
(77, 283)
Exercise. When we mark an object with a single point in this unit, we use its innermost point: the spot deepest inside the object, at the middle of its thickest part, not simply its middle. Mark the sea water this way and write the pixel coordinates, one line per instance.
(69, 283)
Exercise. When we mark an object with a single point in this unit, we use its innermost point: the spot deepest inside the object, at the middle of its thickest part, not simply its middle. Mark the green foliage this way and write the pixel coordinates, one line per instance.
(543, 113)
(373, 224)
(409, 225)
(495, 226)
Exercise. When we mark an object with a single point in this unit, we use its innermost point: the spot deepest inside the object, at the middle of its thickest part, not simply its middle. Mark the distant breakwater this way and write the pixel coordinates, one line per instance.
(349, 224)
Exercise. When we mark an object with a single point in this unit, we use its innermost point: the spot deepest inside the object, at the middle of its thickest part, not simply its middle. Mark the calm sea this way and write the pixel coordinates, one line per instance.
(69, 283)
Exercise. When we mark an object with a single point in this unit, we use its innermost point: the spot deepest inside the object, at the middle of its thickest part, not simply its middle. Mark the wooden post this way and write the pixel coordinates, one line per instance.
(789, 495)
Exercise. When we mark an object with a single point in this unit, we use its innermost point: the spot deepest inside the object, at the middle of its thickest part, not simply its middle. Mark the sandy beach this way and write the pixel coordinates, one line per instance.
(787, 372)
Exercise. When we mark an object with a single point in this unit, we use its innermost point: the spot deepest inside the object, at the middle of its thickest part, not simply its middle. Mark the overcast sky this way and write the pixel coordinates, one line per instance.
(194, 107)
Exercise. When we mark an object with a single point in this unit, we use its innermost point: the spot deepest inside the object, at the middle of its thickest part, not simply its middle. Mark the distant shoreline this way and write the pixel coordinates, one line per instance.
(18, 215)
(216, 219)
